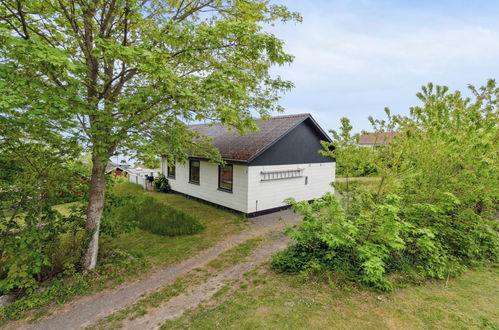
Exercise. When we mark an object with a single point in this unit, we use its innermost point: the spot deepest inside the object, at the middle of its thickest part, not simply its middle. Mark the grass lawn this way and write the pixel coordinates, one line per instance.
(162, 250)
(64, 209)
(273, 301)
(153, 250)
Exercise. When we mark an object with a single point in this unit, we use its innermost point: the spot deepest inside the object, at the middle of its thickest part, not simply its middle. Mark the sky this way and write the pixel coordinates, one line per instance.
(353, 58)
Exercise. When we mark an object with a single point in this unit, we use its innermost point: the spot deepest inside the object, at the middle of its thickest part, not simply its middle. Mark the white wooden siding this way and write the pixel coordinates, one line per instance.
(137, 179)
(265, 194)
(208, 185)
(164, 166)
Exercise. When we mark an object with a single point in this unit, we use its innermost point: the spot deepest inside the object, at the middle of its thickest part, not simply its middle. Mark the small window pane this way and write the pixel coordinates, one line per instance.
(225, 177)
(194, 171)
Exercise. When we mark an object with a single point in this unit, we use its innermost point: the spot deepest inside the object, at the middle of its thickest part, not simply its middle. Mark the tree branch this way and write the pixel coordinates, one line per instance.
(22, 18)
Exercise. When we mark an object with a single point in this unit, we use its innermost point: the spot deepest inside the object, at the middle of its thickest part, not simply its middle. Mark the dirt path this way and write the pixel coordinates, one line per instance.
(175, 307)
(90, 309)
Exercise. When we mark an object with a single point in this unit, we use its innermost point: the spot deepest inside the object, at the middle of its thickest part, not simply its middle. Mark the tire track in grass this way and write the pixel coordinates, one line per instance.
(193, 296)
(88, 310)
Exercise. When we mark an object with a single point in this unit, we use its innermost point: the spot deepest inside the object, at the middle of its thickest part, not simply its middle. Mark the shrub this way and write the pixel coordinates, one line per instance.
(127, 208)
(433, 212)
(113, 264)
(31, 251)
(161, 184)
(119, 210)
(58, 290)
(331, 239)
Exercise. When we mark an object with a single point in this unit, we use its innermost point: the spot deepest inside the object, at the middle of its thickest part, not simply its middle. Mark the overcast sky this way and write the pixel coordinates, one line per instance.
(353, 58)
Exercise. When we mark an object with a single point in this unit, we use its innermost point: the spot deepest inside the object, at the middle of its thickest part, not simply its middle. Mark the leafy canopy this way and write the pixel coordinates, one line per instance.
(127, 73)
(125, 76)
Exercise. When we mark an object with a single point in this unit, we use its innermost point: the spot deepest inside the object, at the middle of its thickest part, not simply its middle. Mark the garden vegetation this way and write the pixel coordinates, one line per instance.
(147, 213)
(124, 76)
(42, 249)
(433, 212)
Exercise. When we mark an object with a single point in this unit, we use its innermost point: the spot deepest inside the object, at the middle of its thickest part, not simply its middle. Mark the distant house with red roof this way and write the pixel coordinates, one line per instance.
(117, 169)
(376, 139)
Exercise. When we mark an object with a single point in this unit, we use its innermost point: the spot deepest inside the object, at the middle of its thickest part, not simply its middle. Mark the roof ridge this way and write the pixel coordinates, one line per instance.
(293, 115)
(297, 115)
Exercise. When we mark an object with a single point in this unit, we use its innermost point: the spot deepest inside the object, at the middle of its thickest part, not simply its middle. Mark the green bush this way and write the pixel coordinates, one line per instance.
(31, 251)
(161, 184)
(359, 165)
(116, 218)
(355, 245)
(431, 214)
(58, 290)
(114, 264)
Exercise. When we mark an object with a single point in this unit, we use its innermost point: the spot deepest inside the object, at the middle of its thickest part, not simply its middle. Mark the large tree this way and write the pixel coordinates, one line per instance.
(127, 74)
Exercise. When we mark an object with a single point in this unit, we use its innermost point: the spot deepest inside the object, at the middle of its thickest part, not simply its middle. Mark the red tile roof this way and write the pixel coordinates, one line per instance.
(377, 138)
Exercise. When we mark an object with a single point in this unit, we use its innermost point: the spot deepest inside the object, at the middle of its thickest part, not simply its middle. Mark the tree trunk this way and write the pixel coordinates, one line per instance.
(94, 210)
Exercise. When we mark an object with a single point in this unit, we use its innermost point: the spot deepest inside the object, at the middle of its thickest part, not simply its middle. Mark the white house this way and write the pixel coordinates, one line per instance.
(261, 169)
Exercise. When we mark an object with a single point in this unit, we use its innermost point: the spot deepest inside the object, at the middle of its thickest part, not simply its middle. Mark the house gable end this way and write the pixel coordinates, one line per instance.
(300, 145)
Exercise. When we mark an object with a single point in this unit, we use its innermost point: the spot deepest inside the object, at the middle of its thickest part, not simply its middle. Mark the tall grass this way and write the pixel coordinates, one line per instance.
(159, 218)
(162, 219)
(122, 187)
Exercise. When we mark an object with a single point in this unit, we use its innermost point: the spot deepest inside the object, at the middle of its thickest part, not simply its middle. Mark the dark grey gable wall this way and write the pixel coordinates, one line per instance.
(299, 146)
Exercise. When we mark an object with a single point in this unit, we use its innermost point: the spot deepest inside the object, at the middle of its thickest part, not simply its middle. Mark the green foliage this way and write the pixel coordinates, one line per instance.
(125, 187)
(432, 212)
(152, 162)
(31, 251)
(58, 290)
(351, 160)
(115, 220)
(161, 184)
(11, 168)
(161, 219)
(128, 208)
(356, 245)
(141, 75)
(125, 76)
(30, 229)
(114, 265)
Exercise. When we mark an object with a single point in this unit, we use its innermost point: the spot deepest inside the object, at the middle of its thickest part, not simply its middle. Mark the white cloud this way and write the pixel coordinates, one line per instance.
(353, 62)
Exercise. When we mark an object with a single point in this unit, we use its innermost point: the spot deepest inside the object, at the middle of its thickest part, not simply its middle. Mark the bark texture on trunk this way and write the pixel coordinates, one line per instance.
(94, 210)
